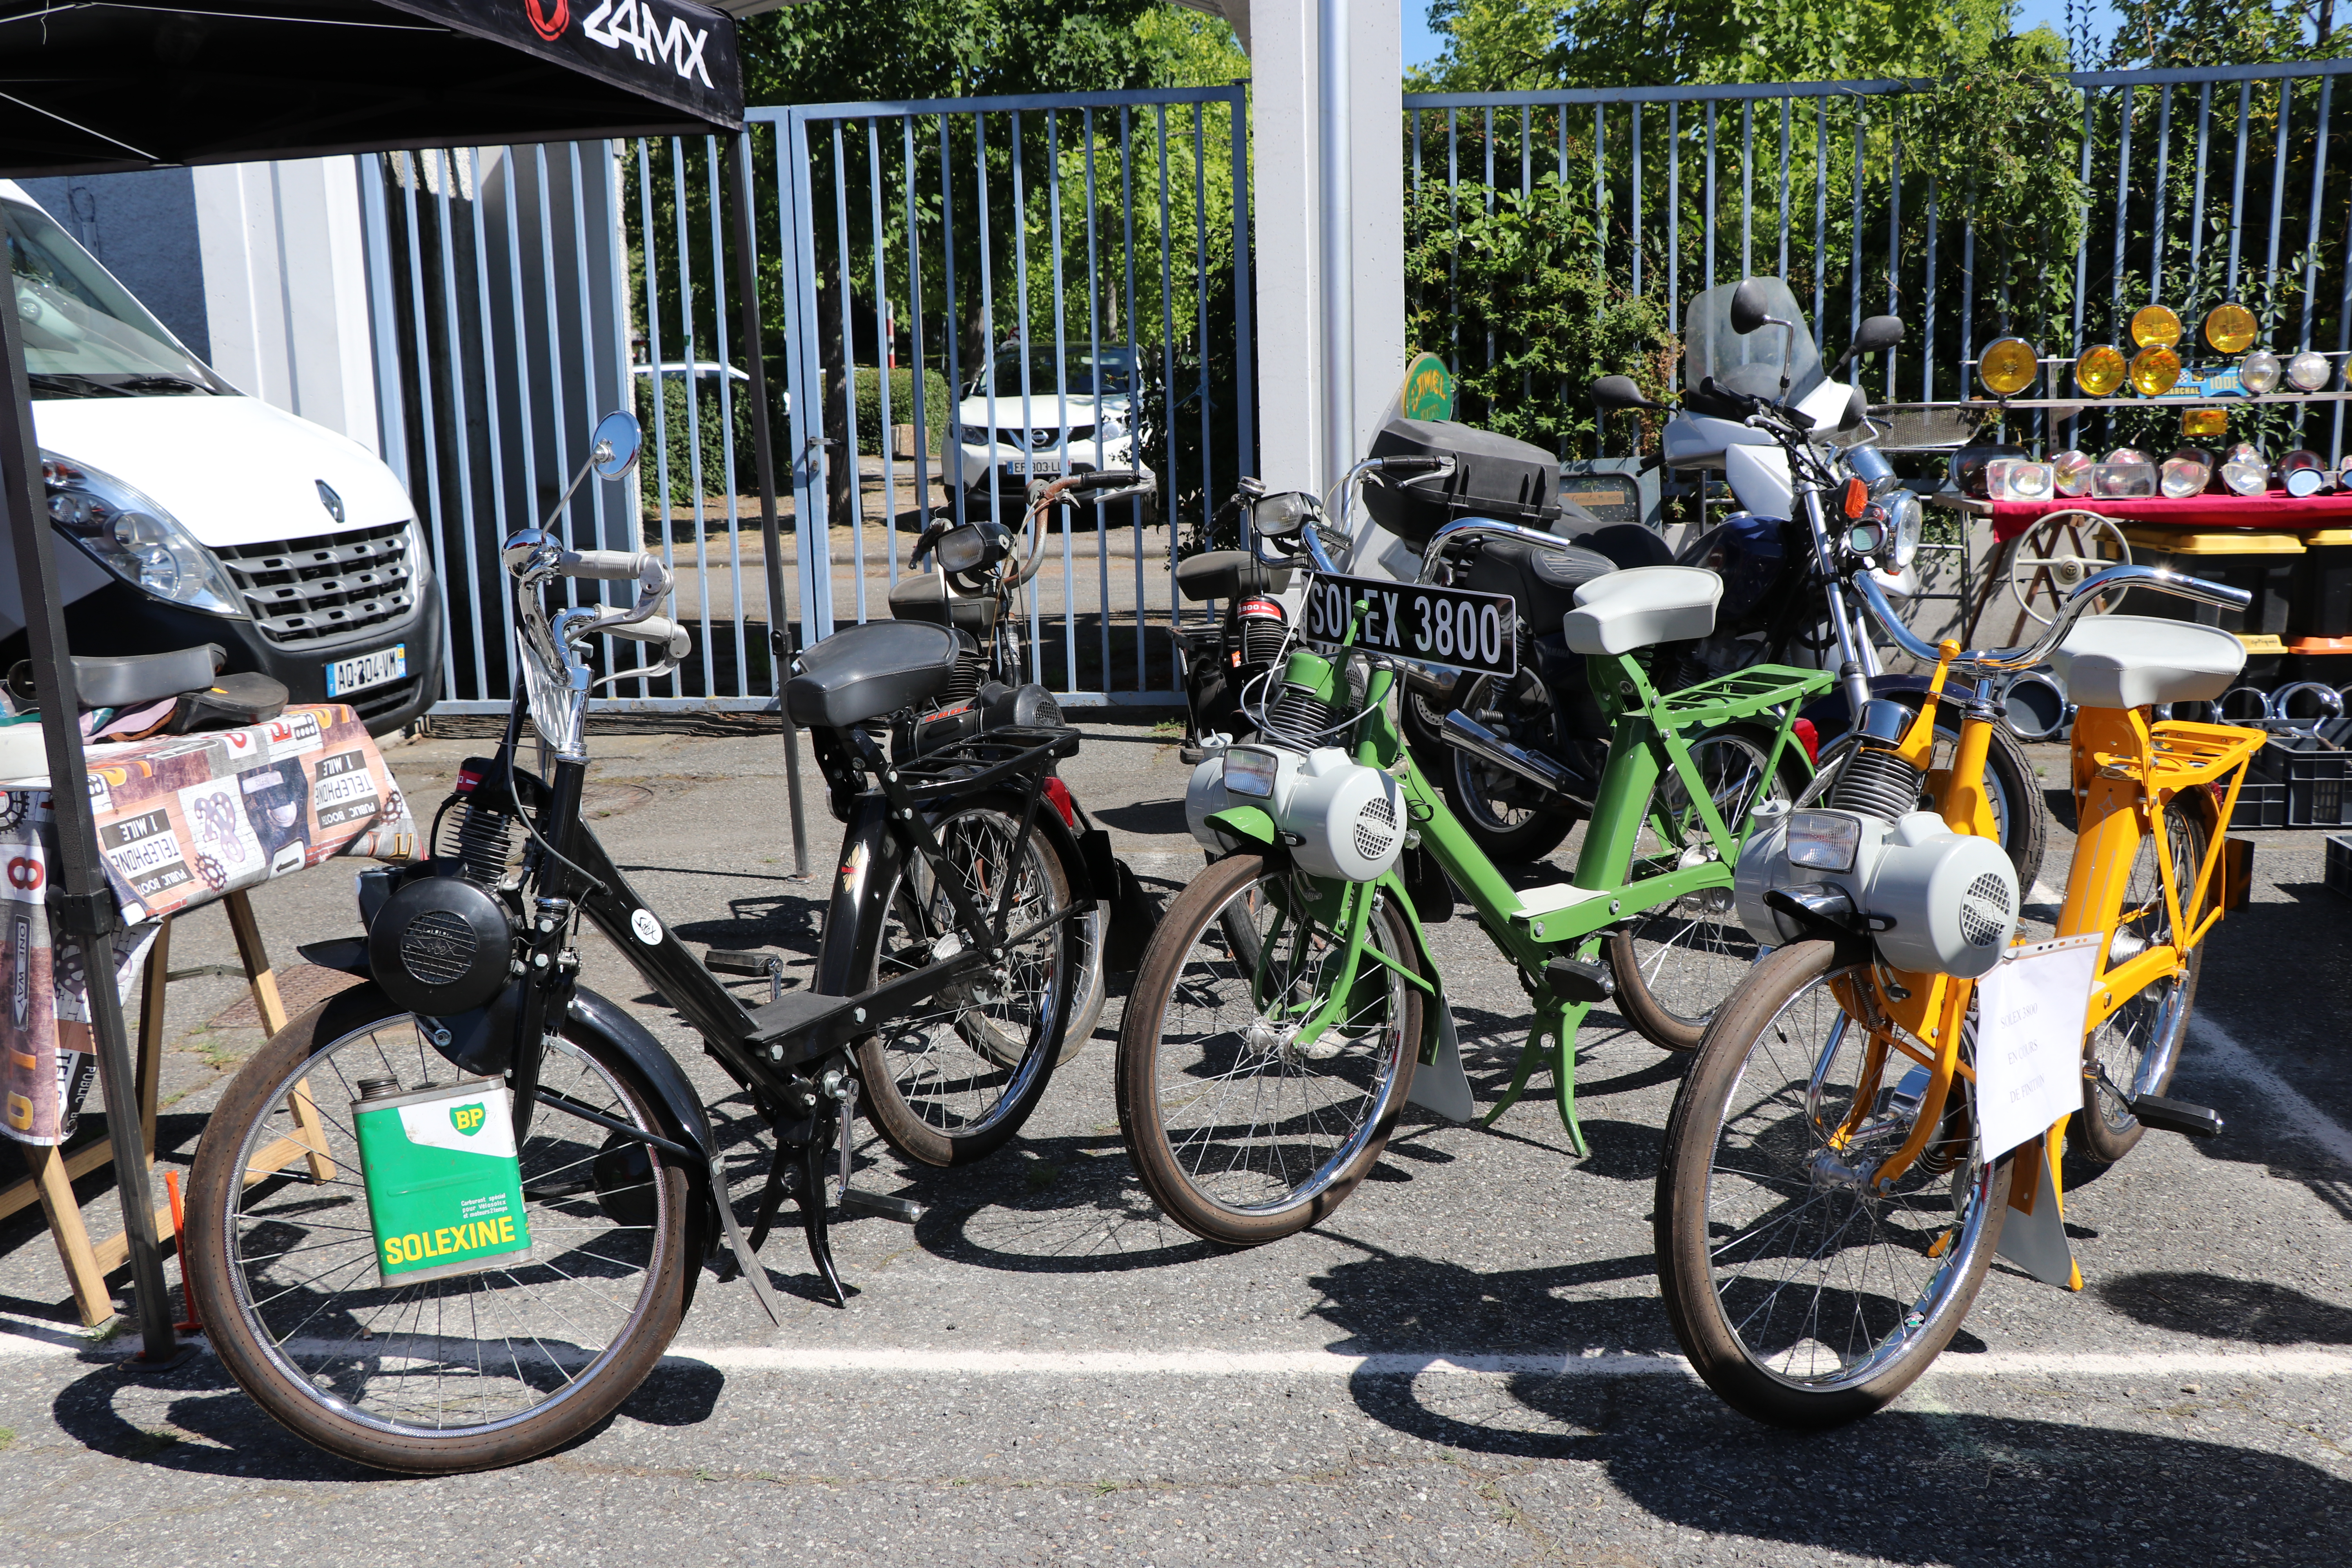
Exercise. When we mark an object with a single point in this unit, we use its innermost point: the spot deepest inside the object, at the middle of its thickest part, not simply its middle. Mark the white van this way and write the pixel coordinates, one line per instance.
(189, 513)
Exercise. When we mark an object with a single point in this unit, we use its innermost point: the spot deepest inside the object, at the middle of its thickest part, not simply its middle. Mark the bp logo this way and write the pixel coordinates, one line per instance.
(468, 1118)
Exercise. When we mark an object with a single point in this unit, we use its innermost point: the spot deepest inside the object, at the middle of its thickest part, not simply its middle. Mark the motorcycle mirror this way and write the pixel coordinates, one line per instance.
(1857, 411)
(1748, 311)
(1278, 516)
(614, 447)
(1876, 333)
(1617, 393)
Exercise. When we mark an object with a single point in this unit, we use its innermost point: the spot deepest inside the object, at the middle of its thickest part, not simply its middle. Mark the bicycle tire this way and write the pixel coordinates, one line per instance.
(948, 1082)
(1509, 832)
(1676, 964)
(245, 1302)
(1372, 1080)
(1746, 1096)
(2139, 1043)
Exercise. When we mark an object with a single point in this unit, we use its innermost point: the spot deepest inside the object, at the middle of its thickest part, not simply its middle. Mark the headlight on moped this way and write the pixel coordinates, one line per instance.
(1250, 772)
(1904, 519)
(1824, 840)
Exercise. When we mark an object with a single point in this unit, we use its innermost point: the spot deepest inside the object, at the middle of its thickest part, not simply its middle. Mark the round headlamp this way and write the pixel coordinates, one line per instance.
(2308, 371)
(2258, 372)
(2155, 370)
(2304, 473)
(2245, 471)
(2100, 370)
(2155, 326)
(2007, 366)
(2230, 327)
(2185, 473)
(1904, 519)
(2073, 471)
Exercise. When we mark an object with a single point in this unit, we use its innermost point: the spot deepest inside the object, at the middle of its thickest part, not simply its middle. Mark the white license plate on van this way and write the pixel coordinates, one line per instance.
(346, 676)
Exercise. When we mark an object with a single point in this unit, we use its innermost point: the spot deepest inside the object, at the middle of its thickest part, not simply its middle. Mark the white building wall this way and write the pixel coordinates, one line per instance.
(284, 283)
(1287, 201)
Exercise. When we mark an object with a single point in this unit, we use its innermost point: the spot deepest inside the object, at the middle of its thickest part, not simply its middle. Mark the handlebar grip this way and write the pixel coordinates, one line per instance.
(2197, 588)
(659, 630)
(1411, 465)
(605, 565)
(1106, 479)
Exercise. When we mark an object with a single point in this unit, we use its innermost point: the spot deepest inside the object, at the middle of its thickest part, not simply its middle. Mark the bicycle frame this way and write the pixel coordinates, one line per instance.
(2124, 771)
(1649, 737)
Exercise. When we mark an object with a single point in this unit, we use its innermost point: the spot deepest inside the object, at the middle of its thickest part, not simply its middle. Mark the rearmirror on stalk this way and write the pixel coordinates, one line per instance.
(1279, 516)
(1878, 332)
(1615, 394)
(1750, 308)
(614, 448)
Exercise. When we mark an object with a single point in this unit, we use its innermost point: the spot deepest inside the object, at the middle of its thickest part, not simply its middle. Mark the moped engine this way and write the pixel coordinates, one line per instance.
(1933, 901)
(1338, 817)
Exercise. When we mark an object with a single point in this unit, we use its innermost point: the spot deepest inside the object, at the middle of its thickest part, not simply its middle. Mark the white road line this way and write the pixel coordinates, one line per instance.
(2288, 1102)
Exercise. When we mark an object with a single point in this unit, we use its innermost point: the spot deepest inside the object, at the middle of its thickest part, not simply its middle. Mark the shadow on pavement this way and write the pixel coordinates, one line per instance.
(2249, 1311)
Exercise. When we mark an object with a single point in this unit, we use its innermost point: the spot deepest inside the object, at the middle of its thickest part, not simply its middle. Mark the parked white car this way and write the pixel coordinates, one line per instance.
(1074, 416)
(187, 513)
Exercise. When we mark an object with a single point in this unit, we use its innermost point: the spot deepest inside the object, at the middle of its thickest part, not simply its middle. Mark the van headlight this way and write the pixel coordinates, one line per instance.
(973, 435)
(133, 538)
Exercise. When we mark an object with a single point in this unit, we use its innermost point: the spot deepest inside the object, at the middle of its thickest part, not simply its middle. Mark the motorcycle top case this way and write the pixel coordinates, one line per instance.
(443, 1187)
(1493, 476)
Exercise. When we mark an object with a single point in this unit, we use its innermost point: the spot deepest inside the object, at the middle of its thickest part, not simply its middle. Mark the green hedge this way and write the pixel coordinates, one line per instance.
(939, 405)
(678, 439)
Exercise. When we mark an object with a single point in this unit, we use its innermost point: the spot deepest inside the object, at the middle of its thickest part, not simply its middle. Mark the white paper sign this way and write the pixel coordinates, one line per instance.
(2031, 1012)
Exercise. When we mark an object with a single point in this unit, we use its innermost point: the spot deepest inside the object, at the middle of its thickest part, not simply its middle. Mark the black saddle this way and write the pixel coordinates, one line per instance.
(921, 596)
(864, 672)
(1544, 582)
(1228, 574)
(127, 681)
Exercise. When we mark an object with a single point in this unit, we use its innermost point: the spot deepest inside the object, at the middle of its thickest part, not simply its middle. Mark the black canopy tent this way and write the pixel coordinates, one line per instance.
(91, 86)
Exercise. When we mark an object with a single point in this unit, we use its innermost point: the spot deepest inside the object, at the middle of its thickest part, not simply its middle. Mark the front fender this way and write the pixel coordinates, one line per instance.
(1832, 718)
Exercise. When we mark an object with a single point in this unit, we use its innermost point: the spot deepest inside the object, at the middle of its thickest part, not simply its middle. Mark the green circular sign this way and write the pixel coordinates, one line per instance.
(1428, 389)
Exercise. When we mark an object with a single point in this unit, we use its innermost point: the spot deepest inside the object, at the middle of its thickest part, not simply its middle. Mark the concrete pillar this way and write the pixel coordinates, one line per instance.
(284, 283)
(1293, 395)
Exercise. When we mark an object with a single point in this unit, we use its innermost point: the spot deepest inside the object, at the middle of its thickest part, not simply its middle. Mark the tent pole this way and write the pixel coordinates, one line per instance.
(80, 902)
(747, 287)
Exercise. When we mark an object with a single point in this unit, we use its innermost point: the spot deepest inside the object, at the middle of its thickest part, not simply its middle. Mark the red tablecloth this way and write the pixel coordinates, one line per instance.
(182, 820)
(2276, 510)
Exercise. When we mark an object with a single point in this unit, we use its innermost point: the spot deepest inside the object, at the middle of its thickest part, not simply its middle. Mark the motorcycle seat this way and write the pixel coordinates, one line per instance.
(130, 681)
(864, 672)
(1228, 574)
(2130, 661)
(1543, 581)
(1650, 604)
(923, 597)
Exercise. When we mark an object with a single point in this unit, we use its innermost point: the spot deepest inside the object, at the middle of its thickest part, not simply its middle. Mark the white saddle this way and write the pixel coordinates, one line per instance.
(1625, 610)
(2130, 661)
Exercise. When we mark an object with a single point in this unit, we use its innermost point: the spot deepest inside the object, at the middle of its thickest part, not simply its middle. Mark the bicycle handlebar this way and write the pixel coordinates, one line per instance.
(1996, 660)
(605, 565)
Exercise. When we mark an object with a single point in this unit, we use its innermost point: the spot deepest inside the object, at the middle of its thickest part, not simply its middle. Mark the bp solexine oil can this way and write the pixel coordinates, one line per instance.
(444, 1186)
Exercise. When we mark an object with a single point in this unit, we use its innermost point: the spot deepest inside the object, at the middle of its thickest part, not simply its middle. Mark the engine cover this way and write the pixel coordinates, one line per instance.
(1938, 902)
(440, 945)
(1339, 818)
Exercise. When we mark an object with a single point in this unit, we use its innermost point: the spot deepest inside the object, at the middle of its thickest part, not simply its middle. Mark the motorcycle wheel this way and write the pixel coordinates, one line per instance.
(1512, 820)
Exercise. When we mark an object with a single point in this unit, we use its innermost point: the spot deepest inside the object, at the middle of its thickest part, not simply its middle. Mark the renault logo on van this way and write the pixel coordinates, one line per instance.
(330, 500)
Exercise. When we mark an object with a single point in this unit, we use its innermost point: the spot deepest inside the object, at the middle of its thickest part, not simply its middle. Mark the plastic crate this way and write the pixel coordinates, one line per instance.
(2339, 863)
(2292, 788)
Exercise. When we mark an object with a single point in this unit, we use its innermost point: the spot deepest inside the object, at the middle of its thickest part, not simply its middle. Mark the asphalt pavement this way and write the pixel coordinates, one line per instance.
(1467, 1362)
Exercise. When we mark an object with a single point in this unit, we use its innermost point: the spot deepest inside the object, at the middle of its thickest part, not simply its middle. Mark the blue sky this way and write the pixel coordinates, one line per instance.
(1422, 46)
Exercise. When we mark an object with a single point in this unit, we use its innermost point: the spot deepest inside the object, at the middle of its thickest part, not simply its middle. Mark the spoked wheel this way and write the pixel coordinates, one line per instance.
(468, 1371)
(1676, 963)
(1514, 820)
(1245, 1121)
(955, 1076)
(1801, 1296)
(2010, 791)
(2140, 1044)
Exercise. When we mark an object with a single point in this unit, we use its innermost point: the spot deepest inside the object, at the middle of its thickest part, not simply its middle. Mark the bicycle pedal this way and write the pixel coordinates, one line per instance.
(2176, 1116)
(723, 961)
(1577, 980)
(881, 1205)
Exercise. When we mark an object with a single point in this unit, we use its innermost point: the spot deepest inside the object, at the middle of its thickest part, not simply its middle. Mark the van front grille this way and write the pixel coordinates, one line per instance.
(326, 587)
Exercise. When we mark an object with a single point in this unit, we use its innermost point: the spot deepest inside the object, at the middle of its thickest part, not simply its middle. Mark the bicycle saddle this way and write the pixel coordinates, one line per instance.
(127, 681)
(1227, 574)
(1544, 582)
(2130, 661)
(1626, 610)
(921, 596)
(864, 672)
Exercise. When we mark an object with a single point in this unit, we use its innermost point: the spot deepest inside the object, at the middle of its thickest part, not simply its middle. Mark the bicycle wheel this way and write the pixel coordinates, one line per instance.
(954, 1076)
(462, 1372)
(1242, 1135)
(1676, 963)
(1512, 820)
(2140, 1044)
(1802, 1298)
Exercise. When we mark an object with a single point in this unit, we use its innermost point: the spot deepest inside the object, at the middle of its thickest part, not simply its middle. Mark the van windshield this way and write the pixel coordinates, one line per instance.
(1750, 363)
(84, 333)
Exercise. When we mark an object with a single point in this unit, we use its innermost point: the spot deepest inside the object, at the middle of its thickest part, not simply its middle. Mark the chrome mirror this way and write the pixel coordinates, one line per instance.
(618, 443)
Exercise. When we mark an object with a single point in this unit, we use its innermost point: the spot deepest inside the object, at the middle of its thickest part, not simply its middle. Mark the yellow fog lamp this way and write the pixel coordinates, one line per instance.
(2155, 371)
(2007, 366)
(2155, 326)
(2230, 327)
(2100, 370)
(2208, 423)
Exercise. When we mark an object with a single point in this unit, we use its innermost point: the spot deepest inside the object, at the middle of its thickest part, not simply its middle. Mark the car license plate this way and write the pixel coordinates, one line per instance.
(1042, 469)
(346, 676)
(1449, 626)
